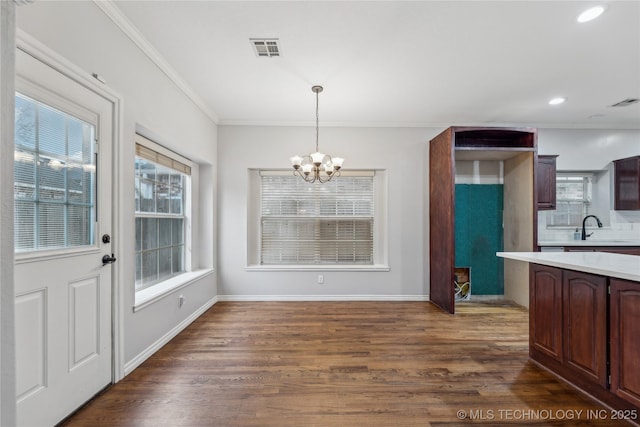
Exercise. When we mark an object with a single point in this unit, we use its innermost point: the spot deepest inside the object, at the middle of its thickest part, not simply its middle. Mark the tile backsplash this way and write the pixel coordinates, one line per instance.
(623, 225)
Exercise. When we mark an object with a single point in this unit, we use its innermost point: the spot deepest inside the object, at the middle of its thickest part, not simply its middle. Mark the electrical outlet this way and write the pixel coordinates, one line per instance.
(181, 301)
(320, 279)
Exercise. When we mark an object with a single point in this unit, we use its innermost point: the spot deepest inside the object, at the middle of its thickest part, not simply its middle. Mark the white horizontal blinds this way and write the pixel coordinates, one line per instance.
(573, 198)
(304, 223)
(54, 178)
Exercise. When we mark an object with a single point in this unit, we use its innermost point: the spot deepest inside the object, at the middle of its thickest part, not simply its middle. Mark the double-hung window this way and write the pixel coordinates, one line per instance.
(317, 224)
(573, 199)
(162, 181)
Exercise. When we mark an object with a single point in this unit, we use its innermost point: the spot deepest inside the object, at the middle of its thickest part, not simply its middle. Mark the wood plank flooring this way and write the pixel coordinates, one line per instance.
(344, 364)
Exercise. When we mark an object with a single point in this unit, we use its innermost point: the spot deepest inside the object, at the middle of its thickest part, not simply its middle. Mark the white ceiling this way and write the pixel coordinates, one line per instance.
(409, 63)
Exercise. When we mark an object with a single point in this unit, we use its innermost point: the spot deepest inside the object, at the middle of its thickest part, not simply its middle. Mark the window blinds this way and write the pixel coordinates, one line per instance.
(573, 192)
(306, 224)
(160, 158)
(54, 178)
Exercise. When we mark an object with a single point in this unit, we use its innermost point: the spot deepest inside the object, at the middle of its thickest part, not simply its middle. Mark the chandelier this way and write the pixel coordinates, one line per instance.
(316, 166)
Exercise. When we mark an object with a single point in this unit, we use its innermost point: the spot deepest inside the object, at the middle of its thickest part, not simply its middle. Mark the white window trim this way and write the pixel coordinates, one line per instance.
(380, 235)
(147, 296)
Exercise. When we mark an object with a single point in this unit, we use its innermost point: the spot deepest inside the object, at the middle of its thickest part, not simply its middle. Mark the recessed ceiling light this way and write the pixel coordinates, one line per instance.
(557, 101)
(590, 14)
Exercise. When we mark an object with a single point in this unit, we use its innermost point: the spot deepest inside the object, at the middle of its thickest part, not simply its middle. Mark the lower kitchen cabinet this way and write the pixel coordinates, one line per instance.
(625, 344)
(568, 326)
(586, 336)
(545, 311)
(584, 301)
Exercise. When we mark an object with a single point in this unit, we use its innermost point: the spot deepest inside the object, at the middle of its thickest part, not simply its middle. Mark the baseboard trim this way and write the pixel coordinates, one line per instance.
(149, 351)
(323, 297)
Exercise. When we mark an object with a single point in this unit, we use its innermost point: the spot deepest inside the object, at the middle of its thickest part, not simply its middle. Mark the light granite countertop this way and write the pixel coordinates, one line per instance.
(602, 263)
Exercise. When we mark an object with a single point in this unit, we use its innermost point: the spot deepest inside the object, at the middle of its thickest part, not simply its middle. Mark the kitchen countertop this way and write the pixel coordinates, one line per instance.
(602, 263)
(589, 242)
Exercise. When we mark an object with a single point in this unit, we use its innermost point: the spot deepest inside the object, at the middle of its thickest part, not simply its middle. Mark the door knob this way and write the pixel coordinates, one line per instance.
(108, 259)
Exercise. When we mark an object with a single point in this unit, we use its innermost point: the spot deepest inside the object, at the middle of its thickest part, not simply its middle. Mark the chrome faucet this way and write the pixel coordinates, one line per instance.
(584, 232)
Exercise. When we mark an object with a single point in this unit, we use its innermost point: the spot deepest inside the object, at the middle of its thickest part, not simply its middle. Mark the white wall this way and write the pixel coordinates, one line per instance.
(588, 149)
(479, 172)
(84, 35)
(401, 152)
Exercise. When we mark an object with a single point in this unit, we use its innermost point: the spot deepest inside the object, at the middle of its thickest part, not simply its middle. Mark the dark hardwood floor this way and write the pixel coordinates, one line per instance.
(345, 364)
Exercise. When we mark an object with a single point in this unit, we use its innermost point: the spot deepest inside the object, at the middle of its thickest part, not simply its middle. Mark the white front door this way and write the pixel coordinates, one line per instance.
(63, 198)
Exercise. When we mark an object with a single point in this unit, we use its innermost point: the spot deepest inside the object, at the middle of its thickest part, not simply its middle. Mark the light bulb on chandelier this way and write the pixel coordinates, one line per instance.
(316, 167)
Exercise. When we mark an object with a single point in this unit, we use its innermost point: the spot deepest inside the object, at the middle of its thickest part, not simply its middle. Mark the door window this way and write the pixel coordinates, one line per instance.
(54, 178)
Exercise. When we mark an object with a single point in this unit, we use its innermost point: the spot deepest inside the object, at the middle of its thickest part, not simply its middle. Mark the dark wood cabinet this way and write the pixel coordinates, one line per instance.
(568, 326)
(545, 310)
(584, 299)
(625, 345)
(627, 184)
(625, 250)
(546, 182)
(585, 328)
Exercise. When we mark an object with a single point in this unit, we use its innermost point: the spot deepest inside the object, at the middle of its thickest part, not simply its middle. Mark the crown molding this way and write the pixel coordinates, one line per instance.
(407, 125)
(130, 30)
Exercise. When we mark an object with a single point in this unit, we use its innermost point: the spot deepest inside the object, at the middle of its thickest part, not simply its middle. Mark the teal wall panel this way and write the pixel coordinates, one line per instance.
(479, 235)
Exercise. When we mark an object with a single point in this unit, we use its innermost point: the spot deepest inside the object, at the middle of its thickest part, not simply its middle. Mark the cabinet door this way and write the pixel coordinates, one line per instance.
(625, 345)
(546, 182)
(545, 311)
(627, 184)
(585, 325)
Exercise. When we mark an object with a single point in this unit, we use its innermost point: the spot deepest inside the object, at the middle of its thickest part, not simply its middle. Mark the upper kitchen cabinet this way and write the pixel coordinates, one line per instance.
(546, 182)
(627, 184)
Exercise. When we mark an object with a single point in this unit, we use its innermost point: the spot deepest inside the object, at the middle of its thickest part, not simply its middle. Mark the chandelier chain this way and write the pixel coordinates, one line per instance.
(317, 122)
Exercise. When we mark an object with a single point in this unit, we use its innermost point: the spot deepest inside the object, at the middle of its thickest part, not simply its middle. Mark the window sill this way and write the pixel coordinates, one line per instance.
(148, 296)
(376, 267)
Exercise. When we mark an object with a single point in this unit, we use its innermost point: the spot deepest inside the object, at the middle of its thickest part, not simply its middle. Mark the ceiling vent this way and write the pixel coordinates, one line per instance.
(266, 47)
(625, 102)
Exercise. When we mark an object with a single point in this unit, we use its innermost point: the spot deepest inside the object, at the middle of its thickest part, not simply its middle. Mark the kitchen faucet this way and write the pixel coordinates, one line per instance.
(584, 232)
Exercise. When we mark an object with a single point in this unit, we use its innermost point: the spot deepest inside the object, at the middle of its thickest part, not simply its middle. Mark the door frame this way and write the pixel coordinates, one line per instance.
(38, 50)
(8, 407)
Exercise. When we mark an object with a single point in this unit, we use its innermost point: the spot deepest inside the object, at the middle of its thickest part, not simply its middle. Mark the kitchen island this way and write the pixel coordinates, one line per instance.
(584, 321)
